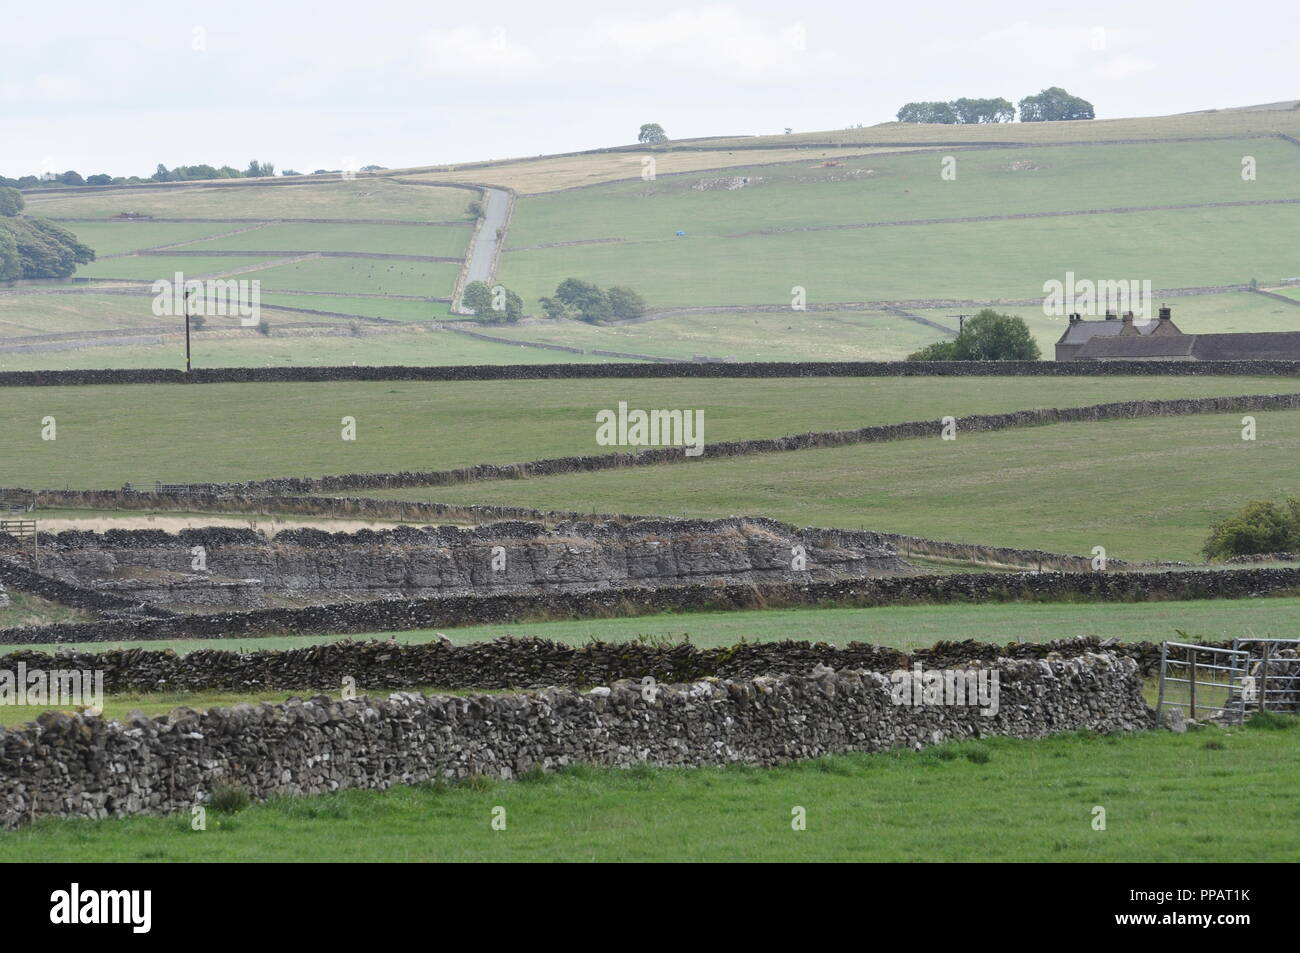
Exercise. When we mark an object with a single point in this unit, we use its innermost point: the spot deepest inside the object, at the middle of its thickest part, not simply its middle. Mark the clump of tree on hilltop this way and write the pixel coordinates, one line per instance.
(1257, 528)
(580, 300)
(181, 173)
(1051, 105)
(33, 247)
(989, 336)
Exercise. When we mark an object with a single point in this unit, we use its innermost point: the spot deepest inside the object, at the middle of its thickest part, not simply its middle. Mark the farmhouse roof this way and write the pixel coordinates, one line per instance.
(1080, 332)
(1257, 346)
(1139, 347)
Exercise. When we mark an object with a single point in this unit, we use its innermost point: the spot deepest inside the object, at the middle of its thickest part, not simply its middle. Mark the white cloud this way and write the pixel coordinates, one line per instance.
(1122, 67)
(718, 41)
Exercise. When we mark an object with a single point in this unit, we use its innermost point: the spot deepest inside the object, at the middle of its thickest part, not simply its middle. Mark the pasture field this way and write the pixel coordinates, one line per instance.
(361, 198)
(148, 268)
(1145, 488)
(749, 336)
(108, 434)
(902, 627)
(980, 260)
(436, 241)
(349, 275)
(114, 238)
(553, 173)
(394, 309)
(22, 315)
(907, 187)
(288, 348)
(1168, 797)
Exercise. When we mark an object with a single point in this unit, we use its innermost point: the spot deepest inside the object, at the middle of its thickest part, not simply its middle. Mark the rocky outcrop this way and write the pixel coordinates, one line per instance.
(86, 766)
(218, 567)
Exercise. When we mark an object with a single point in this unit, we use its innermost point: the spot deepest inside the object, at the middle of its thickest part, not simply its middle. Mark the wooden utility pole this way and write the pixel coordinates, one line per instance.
(187, 329)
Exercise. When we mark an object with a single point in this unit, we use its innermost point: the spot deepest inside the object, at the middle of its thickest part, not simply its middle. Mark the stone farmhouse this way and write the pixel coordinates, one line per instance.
(1124, 339)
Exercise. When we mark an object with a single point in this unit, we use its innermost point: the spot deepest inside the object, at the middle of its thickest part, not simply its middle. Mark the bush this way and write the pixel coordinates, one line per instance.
(1258, 527)
(989, 336)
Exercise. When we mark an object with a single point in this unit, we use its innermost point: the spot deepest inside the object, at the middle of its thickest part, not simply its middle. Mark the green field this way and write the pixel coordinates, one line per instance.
(980, 260)
(438, 242)
(1144, 489)
(111, 434)
(884, 188)
(902, 627)
(1209, 795)
(155, 267)
(752, 336)
(350, 275)
(403, 346)
(359, 198)
(395, 309)
(112, 238)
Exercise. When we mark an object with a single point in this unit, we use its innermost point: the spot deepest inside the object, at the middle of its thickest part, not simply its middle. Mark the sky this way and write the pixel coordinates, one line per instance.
(103, 88)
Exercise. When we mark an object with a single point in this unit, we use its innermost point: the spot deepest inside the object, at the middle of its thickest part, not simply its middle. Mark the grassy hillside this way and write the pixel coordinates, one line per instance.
(359, 198)
(110, 434)
(1143, 488)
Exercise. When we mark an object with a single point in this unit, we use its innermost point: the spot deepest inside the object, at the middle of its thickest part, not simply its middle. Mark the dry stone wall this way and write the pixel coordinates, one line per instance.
(85, 766)
(755, 369)
(403, 614)
(513, 663)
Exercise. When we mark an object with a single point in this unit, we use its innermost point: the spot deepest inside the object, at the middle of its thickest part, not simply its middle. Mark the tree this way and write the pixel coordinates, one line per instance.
(652, 133)
(1054, 105)
(624, 303)
(11, 202)
(482, 300)
(71, 178)
(580, 300)
(257, 170)
(100, 179)
(35, 248)
(1258, 527)
(989, 336)
(960, 111)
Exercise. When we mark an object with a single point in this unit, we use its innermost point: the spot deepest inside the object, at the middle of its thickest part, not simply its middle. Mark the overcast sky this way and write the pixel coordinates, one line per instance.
(108, 88)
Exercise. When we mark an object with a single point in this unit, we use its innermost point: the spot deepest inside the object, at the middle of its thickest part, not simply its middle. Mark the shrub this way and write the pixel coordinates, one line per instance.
(989, 336)
(1258, 527)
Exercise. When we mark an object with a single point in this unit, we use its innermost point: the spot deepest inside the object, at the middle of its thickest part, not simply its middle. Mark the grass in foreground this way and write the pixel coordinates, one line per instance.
(1167, 798)
(902, 627)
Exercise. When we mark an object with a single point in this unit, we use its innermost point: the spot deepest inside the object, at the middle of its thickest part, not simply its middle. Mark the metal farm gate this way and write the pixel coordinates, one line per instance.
(1253, 675)
(1199, 678)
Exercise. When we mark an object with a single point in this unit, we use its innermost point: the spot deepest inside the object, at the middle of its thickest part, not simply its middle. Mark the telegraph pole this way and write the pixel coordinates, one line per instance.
(187, 330)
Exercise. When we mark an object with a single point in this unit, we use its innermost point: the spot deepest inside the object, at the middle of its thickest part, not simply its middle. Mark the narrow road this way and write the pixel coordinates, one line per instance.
(482, 256)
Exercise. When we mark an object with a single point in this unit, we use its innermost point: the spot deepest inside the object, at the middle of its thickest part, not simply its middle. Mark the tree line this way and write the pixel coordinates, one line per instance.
(181, 173)
(1051, 105)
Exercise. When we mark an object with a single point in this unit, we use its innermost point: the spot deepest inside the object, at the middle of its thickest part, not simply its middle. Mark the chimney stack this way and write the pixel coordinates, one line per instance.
(1128, 317)
(1166, 313)
(1110, 315)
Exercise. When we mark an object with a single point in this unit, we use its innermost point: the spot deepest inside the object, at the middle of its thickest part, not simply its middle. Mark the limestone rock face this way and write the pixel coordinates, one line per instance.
(4, 598)
(234, 568)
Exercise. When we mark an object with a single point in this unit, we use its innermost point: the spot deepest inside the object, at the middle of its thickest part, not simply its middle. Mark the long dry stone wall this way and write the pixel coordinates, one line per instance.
(401, 614)
(756, 369)
(85, 766)
(514, 663)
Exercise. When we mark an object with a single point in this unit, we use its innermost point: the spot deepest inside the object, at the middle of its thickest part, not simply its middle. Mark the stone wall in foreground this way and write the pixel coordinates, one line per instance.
(85, 766)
